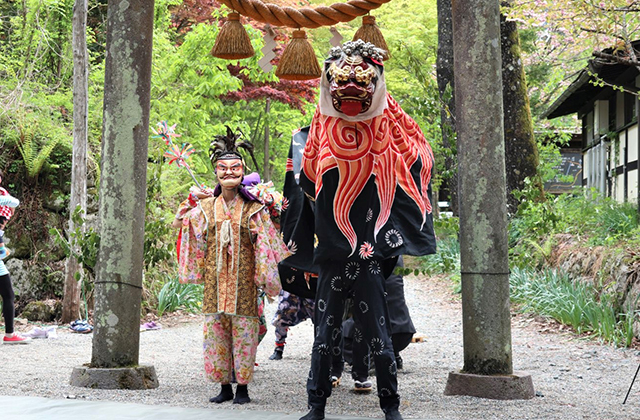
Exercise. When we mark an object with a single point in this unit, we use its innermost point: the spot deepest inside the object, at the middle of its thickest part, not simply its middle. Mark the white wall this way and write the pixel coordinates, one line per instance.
(611, 155)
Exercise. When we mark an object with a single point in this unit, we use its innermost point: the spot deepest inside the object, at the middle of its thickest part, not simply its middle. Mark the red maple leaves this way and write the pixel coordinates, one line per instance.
(292, 93)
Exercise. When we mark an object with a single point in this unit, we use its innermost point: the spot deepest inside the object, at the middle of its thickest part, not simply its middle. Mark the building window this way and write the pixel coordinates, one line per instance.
(587, 130)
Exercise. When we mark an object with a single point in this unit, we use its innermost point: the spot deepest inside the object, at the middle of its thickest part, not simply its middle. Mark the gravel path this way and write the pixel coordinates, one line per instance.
(573, 378)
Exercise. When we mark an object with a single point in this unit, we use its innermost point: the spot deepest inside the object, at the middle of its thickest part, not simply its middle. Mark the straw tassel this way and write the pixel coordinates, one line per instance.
(298, 61)
(232, 42)
(370, 32)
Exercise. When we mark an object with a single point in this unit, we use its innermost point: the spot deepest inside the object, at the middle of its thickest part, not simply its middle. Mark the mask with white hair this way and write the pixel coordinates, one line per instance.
(353, 85)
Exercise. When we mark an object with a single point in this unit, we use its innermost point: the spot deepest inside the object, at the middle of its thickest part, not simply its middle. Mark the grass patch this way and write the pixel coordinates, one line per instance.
(552, 293)
(589, 310)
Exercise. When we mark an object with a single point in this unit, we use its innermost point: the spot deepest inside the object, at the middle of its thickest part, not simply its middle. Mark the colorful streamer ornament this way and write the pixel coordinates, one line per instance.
(179, 155)
(175, 153)
(165, 132)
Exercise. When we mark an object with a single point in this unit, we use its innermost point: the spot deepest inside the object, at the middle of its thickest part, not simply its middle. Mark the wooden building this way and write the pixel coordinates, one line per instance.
(610, 140)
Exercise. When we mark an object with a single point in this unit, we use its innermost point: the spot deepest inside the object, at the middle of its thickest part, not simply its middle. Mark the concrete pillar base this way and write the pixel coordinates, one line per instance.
(518, 386)
(138, 377)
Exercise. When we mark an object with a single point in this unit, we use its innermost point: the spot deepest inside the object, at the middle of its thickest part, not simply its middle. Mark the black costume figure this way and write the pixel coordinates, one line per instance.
(365, 172)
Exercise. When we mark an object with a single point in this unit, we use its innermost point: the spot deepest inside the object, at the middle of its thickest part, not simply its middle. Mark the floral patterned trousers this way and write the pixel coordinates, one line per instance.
(230, 344)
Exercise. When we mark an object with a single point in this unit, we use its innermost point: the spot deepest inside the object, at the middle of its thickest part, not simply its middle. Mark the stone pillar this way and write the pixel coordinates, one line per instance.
(118, 286)
(486, 324)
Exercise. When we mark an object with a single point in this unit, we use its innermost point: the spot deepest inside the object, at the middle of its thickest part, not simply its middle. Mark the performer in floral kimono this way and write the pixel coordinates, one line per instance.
(365, 170)
(229, 243)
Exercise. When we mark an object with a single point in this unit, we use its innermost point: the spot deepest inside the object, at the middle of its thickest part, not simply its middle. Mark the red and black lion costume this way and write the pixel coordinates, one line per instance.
(358, 188)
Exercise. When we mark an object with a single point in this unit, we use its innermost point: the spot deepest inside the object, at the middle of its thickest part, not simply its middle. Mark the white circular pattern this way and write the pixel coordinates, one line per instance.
(337, 351)
(377, 346)
(293, 247)
(321, 305)
(352, 270)
(310, 375)
(381, 320)
(330, 320)
(320, 393)
(366, 360)
(323, 349)
(393, 368)
(393, 238)
(374, 267)
(369, 215)
(335, 333)
(357, 335)
(336, 284)
(384, 392)
(364, 308)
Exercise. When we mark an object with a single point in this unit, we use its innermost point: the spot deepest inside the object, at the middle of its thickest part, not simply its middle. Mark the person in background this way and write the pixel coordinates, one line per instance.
(292, 309)
(7, 204)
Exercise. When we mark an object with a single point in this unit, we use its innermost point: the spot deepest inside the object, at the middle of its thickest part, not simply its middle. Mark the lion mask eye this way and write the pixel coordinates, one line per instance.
(364, 76)
(340, 75)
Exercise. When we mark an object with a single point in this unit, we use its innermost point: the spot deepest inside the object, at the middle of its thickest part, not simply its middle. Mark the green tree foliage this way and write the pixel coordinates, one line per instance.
(202, 94)
(36, 111)
(35, 42)
(560, 37)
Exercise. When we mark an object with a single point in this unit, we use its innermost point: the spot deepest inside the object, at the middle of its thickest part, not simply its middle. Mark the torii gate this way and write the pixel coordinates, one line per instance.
(487, 370)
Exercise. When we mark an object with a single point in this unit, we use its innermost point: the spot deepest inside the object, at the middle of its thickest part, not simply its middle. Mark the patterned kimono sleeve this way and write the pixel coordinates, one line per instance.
(193, 244)
(183, 209)
(270, 250)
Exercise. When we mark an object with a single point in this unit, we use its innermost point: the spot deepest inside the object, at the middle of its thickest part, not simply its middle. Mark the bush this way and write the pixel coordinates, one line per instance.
(599, 220)
(175, 295)
(445, 261)
(446, 227)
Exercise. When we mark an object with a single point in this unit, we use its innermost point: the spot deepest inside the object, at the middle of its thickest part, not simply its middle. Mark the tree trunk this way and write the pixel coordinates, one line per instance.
(118, 286)
(266, 167)
(446, 87)
(71, 299)
(521, 151)
(484, 264)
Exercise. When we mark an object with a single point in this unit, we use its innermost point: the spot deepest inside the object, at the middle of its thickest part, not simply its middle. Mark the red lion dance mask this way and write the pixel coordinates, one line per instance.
(366, 161)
